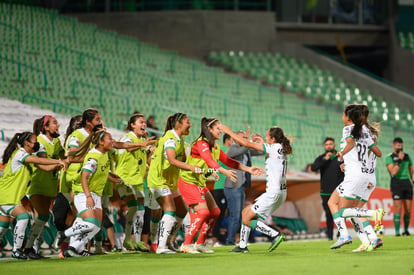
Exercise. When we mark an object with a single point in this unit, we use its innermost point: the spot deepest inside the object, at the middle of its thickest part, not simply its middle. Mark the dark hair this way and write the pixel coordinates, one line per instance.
(329, 139)
(277, 133)
(374, 127)
(18, 139)
(132, 120)
(88, 115)
(172, 121)
(398, 140)
(354, 113)
(74, 123)
(206, 123)
(226, 137)
(84, 147)
(40, 124)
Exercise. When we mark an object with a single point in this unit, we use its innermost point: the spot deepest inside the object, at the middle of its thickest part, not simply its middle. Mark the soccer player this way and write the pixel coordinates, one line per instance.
(203, 209)
(277, 146)
(87, 196)
(43, 186)
(356, 144)
(131, 165)
(167, 160)
(13, 184)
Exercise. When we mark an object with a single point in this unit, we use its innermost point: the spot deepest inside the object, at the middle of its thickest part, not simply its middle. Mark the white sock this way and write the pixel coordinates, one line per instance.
(341, 226)
(35, 232)
(176, 227)
(166, 224)
(38, 242)
(129, 221)
(138, 225)
(19, 232)
(186, 224)
(372, 236)
(244, 236)
(359, 229)
(265, 229)
(154, 231)
(79, 244)
(78, 228)
(357, 212)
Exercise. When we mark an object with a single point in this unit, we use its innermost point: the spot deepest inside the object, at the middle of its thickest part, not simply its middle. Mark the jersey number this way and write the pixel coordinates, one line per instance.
(362, 150)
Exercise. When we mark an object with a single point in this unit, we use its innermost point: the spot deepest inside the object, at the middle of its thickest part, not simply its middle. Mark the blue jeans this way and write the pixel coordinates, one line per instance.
(235, 202)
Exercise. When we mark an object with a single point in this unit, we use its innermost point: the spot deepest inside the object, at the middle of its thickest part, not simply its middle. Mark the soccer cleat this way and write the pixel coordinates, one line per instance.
(341, 241)
(129, 245)
(202, 248)
(276, 241)
(18, 254)
(31, 253)
(238, 249)
(188, 248)
(406, 233)
(165, 251)
(85, 253)
(70, 252)
(61, 254)
(374, 245)
(115, 250)
(153, 247)
(362, 247)
(140, 246)
(59, 238)
(377, 217)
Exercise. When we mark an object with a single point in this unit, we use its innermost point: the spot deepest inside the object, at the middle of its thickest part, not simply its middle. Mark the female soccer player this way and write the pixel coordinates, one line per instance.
(95, 173)
(43, 186)
(277, 147)
(131, 165)
(13, 184)
(356, 143)
(167, 160)
(203, 209)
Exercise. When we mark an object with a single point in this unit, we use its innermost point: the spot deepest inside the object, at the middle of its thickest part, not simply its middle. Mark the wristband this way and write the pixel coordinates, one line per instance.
(89, 196)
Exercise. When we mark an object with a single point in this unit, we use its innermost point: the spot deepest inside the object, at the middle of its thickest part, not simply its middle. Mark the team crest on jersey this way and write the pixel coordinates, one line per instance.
(370, 186)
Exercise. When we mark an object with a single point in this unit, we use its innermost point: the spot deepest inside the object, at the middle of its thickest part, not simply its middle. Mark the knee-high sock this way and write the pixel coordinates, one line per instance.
(356, 212)
(197, 220)
(79, 227)
(154, 230)
(20, 229)
(176, 227)
(4, 226)
(36, 230)
(186, 224)
(166, 224)
(244, 236)
(130, 218)
(75, 223)
(340, 225)
(38, 241)
(359, 229)
(263, 228)
(208, 225)
(139, 223)
(93, 225)
(397, 222)
(407, 218)
(372, 236)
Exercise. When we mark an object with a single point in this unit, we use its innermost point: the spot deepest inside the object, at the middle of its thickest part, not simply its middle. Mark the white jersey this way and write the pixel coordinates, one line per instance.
(356, 160)
(372, 158)
(276, 165)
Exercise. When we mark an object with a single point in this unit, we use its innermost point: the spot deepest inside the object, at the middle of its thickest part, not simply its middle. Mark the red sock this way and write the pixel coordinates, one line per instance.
(208, 225)
(64, 245)
(197, 220)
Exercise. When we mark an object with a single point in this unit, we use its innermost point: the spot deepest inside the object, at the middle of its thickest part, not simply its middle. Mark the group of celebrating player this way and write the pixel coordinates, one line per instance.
(92, 164)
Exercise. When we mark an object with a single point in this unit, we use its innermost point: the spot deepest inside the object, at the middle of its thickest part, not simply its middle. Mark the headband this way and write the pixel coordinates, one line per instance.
(211, 122)
(45, 120)
(178, 118)
(100, 136)
(28, 136)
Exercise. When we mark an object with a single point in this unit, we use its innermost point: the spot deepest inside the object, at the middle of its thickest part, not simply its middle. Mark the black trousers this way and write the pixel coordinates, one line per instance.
(328, 215)
(221, 202)
(60, 211)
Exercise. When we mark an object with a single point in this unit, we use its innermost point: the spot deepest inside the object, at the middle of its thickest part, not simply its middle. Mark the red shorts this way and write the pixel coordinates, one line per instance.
(191, 193)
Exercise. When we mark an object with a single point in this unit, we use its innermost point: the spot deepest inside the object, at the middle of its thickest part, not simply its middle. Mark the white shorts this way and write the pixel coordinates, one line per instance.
(157, 193)
(267, 203)
(80, 202)
(126, 190)
(366, 190)
(353, 185)
(6, 210)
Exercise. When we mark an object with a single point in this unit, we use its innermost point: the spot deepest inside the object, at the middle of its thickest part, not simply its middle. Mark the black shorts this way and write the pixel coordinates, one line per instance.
(401, 189)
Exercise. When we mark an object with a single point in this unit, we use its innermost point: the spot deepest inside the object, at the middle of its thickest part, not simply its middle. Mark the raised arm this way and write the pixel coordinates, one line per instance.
(242, 141)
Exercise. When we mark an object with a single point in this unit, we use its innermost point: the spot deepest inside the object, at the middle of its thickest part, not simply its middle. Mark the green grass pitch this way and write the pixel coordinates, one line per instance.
(291, 257)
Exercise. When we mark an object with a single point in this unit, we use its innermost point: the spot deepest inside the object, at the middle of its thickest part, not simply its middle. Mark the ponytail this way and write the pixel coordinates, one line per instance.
(355, 114)
(94, 138)
(277, 133)
(172, 121)
(374, 127)
(18, 139)
(74, 123)
(40, 124)
(206, 124)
